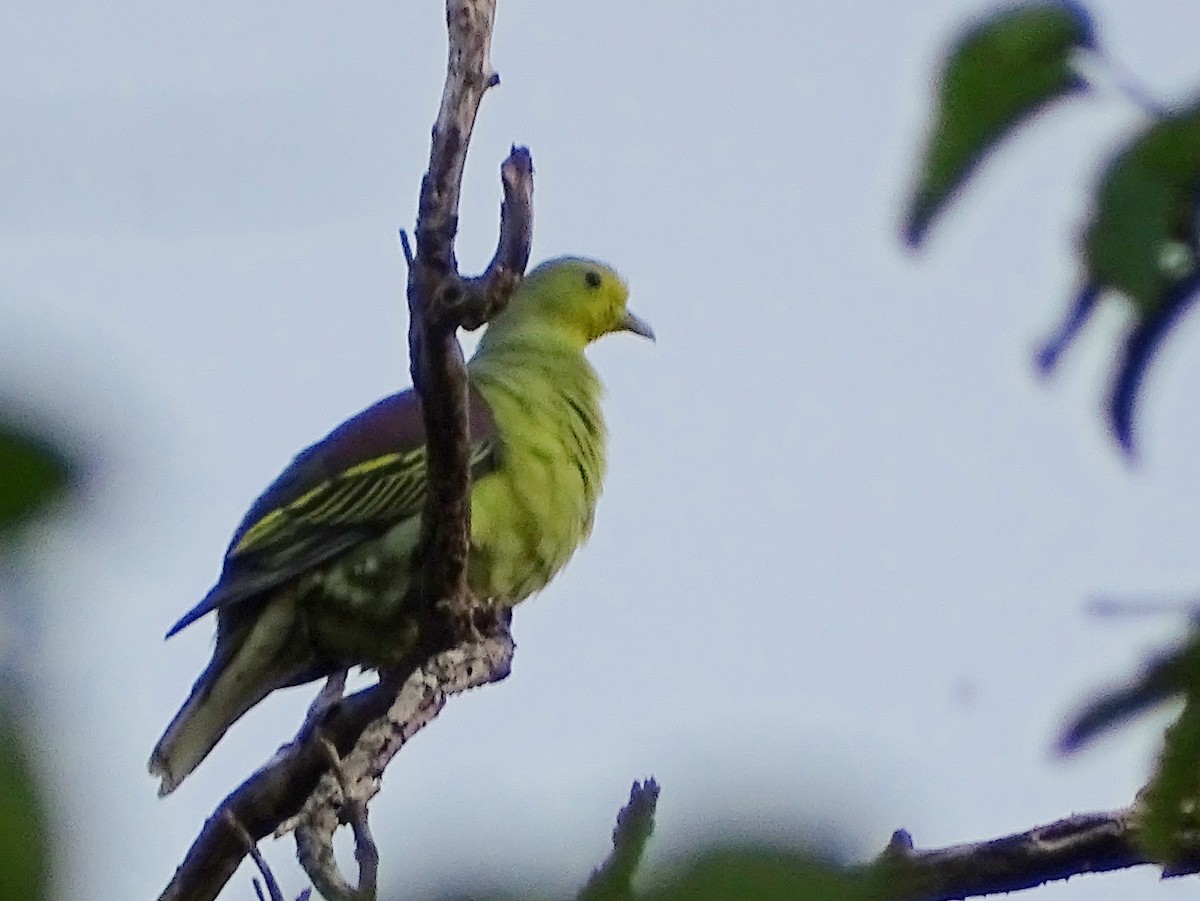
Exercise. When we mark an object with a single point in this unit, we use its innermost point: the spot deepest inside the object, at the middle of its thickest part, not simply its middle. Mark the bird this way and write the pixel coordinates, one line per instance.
(318, 576)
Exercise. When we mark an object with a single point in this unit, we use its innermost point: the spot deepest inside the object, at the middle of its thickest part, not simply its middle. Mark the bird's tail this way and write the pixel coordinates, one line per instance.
(250, 667)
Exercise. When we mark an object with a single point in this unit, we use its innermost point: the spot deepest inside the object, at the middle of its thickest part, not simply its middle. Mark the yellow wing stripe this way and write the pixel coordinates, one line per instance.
(259, 531)
(361, 494)
(338, 503)
(370, 466)
(346, 498)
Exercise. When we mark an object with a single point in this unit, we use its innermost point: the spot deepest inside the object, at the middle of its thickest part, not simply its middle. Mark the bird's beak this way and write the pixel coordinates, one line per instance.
(637, 325)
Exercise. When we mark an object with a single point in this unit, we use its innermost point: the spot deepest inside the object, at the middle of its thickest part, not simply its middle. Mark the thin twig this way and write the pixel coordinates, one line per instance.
(274, 893)
(366, 852)
(1100, 68)
(317, 857)
(489, 293)
(409, 259)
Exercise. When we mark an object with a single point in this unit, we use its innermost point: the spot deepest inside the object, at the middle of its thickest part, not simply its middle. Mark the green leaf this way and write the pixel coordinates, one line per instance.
(33, 474)
(1141, 242)
(1141, 344)
(998, 75)
(759, 875)
(24, 860)
(1170, 803)
(1142, 239)
(1170, 800)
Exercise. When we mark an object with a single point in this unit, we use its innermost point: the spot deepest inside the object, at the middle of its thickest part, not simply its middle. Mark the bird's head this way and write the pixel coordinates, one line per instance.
(579, 299)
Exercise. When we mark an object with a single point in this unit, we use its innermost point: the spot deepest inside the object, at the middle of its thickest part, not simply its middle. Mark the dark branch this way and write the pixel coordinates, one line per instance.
(635, 823)
(438, 305)
(316, 853)
(273, 794)
(344, 793)
(1084, 843)
(272, 797)
(272, 886)
(489, 293)
(468, 75)
(440, 301)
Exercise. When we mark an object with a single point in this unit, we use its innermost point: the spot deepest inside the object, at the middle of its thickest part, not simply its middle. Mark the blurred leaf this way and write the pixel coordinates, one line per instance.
(1170, 800)
(1077, 317)
(1164, 677)
(759, 875)
(33, 474)
(1142, 239)
(24, 864)
(1140, 346)
(1142, 242)
(998, 74)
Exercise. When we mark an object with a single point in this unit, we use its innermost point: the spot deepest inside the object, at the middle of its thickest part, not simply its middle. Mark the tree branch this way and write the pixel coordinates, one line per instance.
(439, 303)
(273, 892)
(635, 822)
(275, 794)
(440, 300)
(360, 773)
(1083, 843)
(315, 850)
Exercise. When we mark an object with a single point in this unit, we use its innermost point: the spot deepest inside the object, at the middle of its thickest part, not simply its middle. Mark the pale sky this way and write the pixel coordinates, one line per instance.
(839, 573)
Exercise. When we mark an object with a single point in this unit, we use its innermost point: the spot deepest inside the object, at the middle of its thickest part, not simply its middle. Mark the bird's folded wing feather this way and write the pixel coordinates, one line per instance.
(364, 477)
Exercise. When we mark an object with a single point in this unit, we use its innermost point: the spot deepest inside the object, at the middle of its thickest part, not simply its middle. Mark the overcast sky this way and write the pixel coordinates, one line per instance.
(839, 574)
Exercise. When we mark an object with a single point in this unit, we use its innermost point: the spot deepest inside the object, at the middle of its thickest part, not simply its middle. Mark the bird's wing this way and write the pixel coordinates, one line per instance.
(361, 479)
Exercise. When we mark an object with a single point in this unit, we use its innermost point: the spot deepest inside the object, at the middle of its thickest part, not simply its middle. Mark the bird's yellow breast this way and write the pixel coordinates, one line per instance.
(530, 514)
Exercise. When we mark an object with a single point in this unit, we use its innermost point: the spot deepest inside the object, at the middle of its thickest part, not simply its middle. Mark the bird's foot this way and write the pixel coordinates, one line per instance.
(327, 698)
(477, 620)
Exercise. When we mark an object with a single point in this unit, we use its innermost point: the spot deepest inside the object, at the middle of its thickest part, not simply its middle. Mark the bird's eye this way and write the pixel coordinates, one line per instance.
(592, 277)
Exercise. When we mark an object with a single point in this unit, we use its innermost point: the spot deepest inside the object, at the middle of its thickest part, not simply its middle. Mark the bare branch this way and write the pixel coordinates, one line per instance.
(440, 301)
(343, 794)
(273, 794)
(278, 791)
(488, 294)
(516, 214)
(1083, 843)
(635, 822)
(273, 891)
(316, 853)
(468, 75)
(366, 852)
(479, 299)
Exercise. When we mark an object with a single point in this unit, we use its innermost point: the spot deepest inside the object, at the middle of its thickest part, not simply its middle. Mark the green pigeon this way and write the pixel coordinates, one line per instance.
(317, 577)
